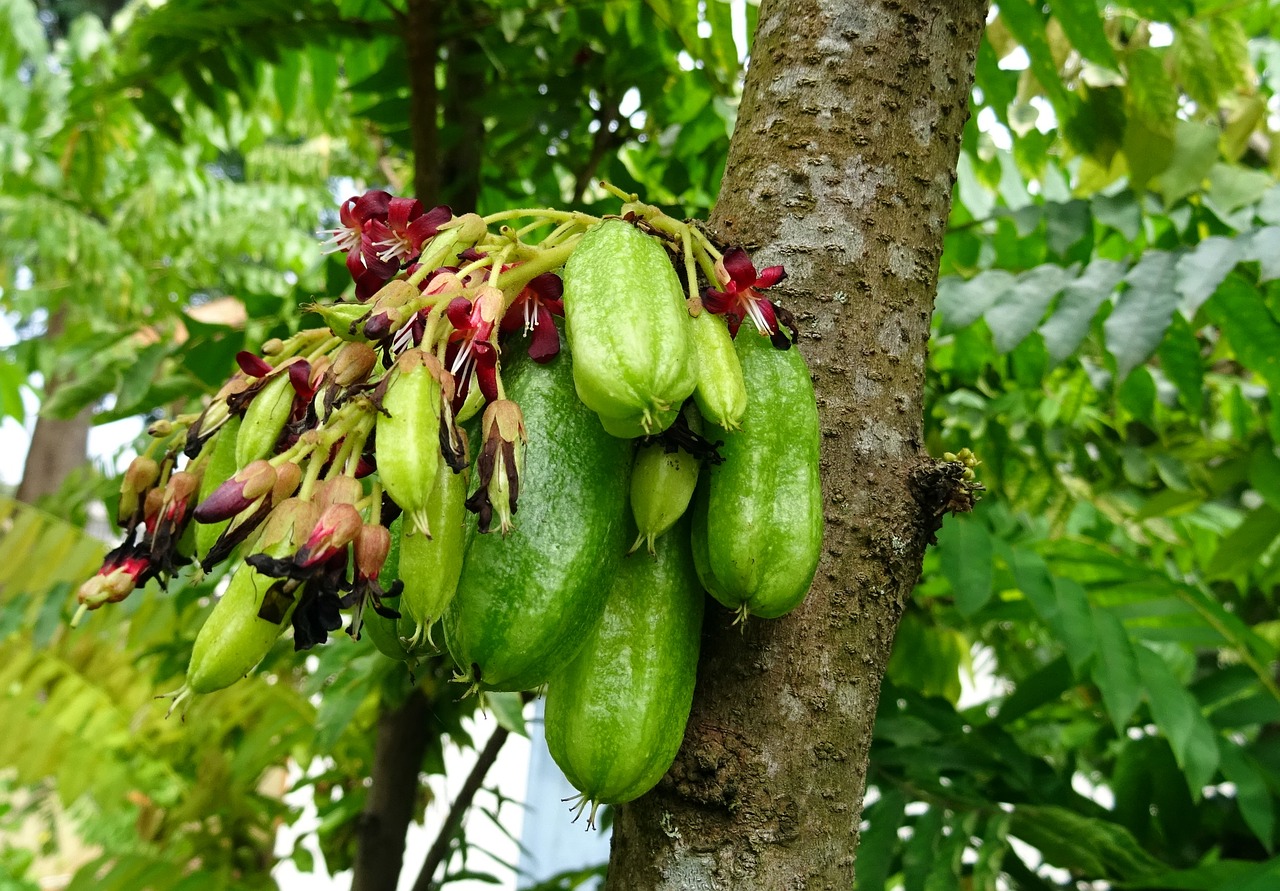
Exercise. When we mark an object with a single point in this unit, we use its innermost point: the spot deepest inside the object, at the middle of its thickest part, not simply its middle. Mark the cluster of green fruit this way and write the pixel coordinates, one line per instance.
(339, 466)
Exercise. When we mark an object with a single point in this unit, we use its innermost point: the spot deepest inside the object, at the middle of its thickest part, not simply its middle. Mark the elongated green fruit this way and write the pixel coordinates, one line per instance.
(409, 436)
(616, 714)
(662, 484)
(429, 567)
(757, 526)
(628, 326)
(233, 639)
(526, 601)
(721, 394)
(264, 420)
(222, 465)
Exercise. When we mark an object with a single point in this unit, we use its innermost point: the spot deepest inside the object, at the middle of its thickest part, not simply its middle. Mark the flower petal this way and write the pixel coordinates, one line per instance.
(742, 272)
(459, 313)
(402, 212)
(544, 344)
(770, 276)
(254, 366)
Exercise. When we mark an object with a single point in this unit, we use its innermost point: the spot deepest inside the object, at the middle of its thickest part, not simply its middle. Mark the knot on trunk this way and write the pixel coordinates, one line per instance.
(941, 488)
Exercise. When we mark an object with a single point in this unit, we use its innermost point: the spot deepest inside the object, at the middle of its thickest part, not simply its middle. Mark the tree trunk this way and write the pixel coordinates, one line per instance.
(841, 168)
(422, 48)
(57, 446)
(397, 761)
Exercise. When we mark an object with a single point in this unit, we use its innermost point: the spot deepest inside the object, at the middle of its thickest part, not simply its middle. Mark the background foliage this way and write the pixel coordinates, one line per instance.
(1106, 339)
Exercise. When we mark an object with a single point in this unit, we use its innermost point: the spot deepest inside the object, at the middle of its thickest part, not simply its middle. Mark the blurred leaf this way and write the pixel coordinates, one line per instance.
(962, 302)
(878, 841)
(1115, 671)
(964, 547)
(1178, 716)
(508, 711)
(1020, 308)
(1136, 326)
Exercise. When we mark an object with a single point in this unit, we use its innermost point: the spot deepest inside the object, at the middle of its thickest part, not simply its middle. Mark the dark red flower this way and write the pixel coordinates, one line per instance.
(399, 238)
(532, 310)
(741, 297)
(355, 238)
(470, 344)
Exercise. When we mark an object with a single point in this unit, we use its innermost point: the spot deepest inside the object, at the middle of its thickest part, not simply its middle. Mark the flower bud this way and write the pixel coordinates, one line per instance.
(288, 478)
(248, 485)
(373, 544)
(353, 364)
(470, 227)
(339, 490)
(141, 476)
(337, 527)
(343, 319)
(500, 463)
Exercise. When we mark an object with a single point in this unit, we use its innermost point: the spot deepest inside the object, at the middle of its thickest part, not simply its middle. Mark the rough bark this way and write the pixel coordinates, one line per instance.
(841, 168)
(401, 745)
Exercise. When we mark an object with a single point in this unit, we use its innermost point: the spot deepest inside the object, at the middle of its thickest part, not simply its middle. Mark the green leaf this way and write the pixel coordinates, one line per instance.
(1253, 794)
(1092, 847)
(1201, 270)
(878, 842)
(1195, 151)
(1237, 875)
(1067, 224)
(965, 554)
(1134, 329)
(1043, 686)
(12, 382)
(1239, 311)
(1264, 475)
(1027, 23)
(1178, 715)
(1019, 309)
(1231, 187)
(1198, 68)
(1115, 671)
(1245, 544)
(1182, 363)
(1069, 324)
(1120, 211)
(508, 711)
(1263, 246)
(1075, 623)
(962, 302)
(1082, 22)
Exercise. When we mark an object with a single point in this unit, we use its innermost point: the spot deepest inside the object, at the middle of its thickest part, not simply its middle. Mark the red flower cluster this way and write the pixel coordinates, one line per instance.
(380, 234)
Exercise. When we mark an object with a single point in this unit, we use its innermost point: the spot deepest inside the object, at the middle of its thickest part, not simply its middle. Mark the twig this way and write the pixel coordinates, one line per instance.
(440, 847)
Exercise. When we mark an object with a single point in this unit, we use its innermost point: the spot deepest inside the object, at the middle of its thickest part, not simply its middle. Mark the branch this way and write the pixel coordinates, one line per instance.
(440, 847)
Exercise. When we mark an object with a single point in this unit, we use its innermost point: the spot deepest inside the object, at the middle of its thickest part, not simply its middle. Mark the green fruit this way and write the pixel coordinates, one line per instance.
(616, 714)
(222, 465)
(635, 427)
(757, 526)
(721, 394)
(628, 327)
(264, 419)
(429, 567)
(526, 600)
(234, 639)
(662, 484)
(408, 431)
